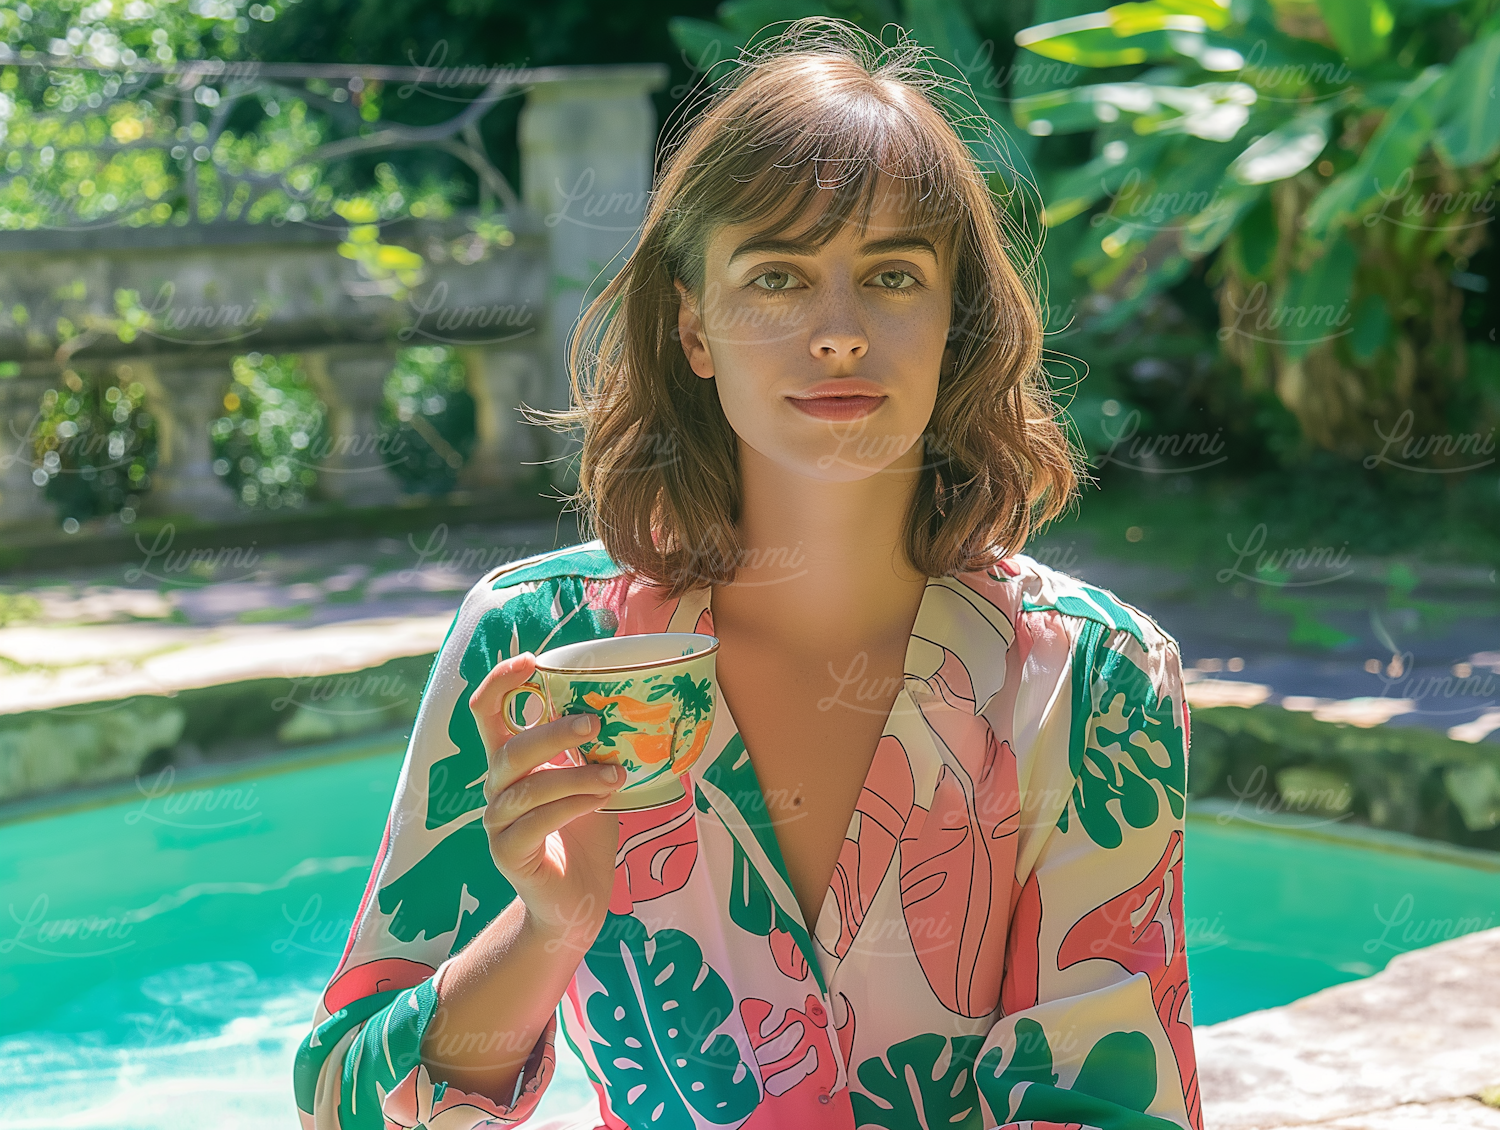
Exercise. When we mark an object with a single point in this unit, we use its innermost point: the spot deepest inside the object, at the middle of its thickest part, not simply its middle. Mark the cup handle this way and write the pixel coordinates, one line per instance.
(510, 696)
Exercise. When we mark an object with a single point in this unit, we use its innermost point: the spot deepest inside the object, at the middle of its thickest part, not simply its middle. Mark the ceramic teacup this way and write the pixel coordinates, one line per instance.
(654, 694)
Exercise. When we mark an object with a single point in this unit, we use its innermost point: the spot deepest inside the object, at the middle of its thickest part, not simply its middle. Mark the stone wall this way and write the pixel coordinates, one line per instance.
(205, 293)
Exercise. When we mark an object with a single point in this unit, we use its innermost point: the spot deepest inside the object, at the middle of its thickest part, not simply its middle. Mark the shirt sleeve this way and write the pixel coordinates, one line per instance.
(433, 887)
(1097, 1023)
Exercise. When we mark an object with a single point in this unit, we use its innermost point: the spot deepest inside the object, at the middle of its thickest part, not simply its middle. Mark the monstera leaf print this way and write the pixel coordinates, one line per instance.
(659, 1018)
(1123, 743)
(1114, 1087)
(948, 1096)
(430, 898)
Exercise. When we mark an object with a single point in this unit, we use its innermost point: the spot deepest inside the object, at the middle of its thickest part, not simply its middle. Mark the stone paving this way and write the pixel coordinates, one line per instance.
(1413, 1047)
(170, 621)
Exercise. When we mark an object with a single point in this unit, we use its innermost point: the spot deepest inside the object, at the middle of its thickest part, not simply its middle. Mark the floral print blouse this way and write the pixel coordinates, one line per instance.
(1001, 944)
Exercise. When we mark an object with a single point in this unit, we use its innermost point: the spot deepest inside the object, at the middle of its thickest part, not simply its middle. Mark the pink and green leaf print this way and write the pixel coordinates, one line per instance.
(656, 1021)
(1000, 944)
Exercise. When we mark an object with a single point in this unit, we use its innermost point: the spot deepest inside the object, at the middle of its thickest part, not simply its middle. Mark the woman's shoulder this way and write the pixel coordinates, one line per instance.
(585, 560)
(560, 582)
(1026, 587)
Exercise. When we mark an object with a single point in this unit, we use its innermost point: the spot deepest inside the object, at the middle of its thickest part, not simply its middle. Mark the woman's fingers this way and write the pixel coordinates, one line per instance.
(544, 786)
(516, 846)
(485, 702)
(512, 756)
(524, 753)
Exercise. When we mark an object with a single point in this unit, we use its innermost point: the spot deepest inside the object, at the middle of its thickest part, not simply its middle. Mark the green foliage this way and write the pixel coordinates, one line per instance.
(1341, 160)
(427, 413)
(106, 143)
(18, 607)
(267, 443)
(1409, 779)
(94, 446)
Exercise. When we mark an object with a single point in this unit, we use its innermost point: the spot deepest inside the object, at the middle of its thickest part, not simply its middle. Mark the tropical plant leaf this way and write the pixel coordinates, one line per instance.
(1390, 153)
(704, 44)
(1114, 1086)
(1316, 304)
(1371, 328)
(1215, 111)
(428, 899)
(1124, 741)
(945, 27)
(1118, 163)
(1286, 150)
(1256, 237)
(1470, 133)
(1361, 28)
(1099, 39)
(659, 1025)
(1213, 225)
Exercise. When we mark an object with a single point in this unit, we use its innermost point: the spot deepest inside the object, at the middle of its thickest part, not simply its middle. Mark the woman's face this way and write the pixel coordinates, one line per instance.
(782, 324)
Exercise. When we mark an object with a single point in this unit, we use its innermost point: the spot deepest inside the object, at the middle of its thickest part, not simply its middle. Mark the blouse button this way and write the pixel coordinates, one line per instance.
(823, 1098)
(815, 1011)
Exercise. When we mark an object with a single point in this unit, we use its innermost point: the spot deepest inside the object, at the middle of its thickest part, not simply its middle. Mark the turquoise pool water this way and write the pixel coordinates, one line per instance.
(162, 953)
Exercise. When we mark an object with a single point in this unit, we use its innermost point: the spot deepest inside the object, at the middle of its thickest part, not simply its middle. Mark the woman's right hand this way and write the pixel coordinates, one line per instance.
(564, 879)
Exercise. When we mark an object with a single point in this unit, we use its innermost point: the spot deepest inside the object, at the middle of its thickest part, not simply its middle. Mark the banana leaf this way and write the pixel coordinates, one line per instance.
(1097, 39)
(1470, 133)
(1285, 151)
(1393, 149)
(1361, 28)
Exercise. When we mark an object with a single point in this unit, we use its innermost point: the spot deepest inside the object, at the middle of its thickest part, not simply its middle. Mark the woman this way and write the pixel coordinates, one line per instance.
(928, 870)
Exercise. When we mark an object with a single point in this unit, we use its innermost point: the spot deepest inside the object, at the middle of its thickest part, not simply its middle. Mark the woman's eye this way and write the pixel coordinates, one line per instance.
(786, 276)
(886, 276)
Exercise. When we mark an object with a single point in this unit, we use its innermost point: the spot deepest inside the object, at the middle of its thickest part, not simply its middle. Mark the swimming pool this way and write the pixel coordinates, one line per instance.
(164, 949)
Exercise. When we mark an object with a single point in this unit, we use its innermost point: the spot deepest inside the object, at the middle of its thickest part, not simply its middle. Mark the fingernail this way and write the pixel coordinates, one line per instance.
(610, 773)
(582, 723)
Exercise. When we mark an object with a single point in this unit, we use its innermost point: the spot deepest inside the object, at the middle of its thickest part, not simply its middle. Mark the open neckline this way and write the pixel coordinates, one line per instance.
(777, 858)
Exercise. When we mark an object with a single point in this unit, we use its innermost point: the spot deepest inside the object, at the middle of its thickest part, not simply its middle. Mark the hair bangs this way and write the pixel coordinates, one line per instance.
(799, 140)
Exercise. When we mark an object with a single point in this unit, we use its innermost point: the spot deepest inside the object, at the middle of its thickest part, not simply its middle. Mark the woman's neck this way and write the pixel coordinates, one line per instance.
(822, 562)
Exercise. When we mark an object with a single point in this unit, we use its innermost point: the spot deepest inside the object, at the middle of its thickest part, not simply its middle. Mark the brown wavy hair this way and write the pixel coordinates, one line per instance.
(816, 113)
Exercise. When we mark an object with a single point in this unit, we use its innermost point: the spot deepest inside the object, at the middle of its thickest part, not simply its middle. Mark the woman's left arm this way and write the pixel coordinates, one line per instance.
(1098, 1024)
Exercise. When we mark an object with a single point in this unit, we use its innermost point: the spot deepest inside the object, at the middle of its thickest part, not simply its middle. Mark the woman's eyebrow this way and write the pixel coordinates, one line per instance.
(800, 247)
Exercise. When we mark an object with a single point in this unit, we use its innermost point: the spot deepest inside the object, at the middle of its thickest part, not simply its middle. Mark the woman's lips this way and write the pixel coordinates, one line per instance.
(837, 407)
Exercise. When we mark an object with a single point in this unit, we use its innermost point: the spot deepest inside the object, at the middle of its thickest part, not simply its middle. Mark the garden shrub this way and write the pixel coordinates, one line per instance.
(273, 424)
(94, 446)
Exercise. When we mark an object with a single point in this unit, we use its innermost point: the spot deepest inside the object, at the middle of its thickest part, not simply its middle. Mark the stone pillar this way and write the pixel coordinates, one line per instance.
(186, 396)
(500, 380)
(587, 148)
(21, 500)
(354, 463)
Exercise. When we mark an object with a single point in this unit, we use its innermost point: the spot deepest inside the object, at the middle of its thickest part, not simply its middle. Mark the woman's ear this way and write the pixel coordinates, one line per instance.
(950, 361)
(690, 332)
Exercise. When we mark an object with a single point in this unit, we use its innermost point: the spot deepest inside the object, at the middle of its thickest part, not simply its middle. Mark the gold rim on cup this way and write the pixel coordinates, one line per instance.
(536, 688)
